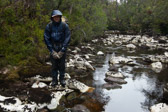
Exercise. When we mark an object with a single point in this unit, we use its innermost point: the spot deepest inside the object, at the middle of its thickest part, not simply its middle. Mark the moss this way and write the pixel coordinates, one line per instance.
(13, 75)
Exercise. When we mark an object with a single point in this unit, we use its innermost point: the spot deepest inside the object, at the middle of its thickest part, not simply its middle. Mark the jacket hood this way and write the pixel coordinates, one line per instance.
(56, 13)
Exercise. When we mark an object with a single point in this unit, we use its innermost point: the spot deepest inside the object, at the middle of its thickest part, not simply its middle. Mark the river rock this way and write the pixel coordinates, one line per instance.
(111, 86)
(161, 107)
(81, 63)
(39, 85)
(118, 43)
(74, 51)
(95, 40)
(70, 63)
(157, 58)
(115, 80)
(119, 59)
(74, 84)
(80, 108)
(113, 68)
(14, 104)
(77, 49)
(114, 75)
(87, 56)
(157, 66)
(131, 46)
(166, 54)
(100, 53)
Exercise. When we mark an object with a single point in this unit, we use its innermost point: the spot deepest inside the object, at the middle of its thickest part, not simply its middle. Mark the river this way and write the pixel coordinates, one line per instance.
(143, 89)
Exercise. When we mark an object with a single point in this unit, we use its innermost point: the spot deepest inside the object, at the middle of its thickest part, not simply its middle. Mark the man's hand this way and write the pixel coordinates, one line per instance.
(55, 55)
(60, 54)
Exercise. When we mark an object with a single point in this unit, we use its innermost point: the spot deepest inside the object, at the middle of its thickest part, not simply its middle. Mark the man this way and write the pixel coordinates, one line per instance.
(57, 38)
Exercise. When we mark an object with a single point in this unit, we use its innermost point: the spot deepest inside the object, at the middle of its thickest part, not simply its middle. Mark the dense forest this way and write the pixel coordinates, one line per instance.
(23, 21)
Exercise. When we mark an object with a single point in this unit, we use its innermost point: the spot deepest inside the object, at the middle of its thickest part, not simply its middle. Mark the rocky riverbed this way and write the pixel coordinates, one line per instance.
(98, 73)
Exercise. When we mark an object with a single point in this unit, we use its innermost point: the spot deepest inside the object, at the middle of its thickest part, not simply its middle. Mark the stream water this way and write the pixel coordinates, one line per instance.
(143, 89)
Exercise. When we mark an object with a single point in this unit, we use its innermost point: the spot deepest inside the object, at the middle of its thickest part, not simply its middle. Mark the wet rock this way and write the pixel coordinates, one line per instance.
(157, 67)
(70, 63)
(39, 85)
(81, 63)
(43, 110)
(56, 96)
(118, 43)
(74, 51)
(16, 105)
(161, 107)
(95, 40)
(166, 54)
(131, 46)
(162, 41)
(87, 56)
(157, 58)
(114, 75)
(119, 60)
(111, 86)
(78, 49)
(80, 108)
(113, 68)
(88, 47)
(115, 80)
(74, 84)
(100, 53)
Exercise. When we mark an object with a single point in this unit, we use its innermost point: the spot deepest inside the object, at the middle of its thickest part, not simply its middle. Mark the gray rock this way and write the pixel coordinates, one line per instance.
(114, 75)
(80, 108)
(115, 80)
(157, 67)
(113, 68)
(111, 86)
(131, 46)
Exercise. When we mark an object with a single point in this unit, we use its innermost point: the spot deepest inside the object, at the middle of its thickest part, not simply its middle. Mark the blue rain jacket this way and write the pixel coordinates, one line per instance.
(57, 34)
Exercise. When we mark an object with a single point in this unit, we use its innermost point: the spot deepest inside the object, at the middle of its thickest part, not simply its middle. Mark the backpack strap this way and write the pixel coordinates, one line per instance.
(64, 26)
(50, 26)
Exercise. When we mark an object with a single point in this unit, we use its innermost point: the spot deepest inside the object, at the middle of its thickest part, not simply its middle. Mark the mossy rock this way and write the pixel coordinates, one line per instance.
(32, 67)
(30, 71)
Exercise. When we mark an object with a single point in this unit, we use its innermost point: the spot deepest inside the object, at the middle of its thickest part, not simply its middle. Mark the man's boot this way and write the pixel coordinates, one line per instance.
(54, 82)
(62, 81)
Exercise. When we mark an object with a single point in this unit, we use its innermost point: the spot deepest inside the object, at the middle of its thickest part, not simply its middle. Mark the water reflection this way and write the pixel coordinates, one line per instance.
(142, 90)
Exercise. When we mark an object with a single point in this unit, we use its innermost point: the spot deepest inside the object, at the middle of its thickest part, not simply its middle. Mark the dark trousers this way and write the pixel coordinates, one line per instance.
(58, 65)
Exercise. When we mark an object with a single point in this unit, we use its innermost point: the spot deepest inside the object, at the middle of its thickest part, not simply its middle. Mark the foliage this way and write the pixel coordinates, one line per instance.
(139, 16)
(23, 23)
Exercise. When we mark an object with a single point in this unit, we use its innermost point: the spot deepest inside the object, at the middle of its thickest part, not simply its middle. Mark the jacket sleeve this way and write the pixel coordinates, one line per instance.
(47, 38)
(67, 38)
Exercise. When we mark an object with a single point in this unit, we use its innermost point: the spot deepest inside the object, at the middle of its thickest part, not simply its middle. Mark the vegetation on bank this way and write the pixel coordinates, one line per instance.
(23, 22)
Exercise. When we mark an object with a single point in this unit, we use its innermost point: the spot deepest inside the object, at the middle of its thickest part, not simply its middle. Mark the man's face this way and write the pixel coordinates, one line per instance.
(57, 18)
